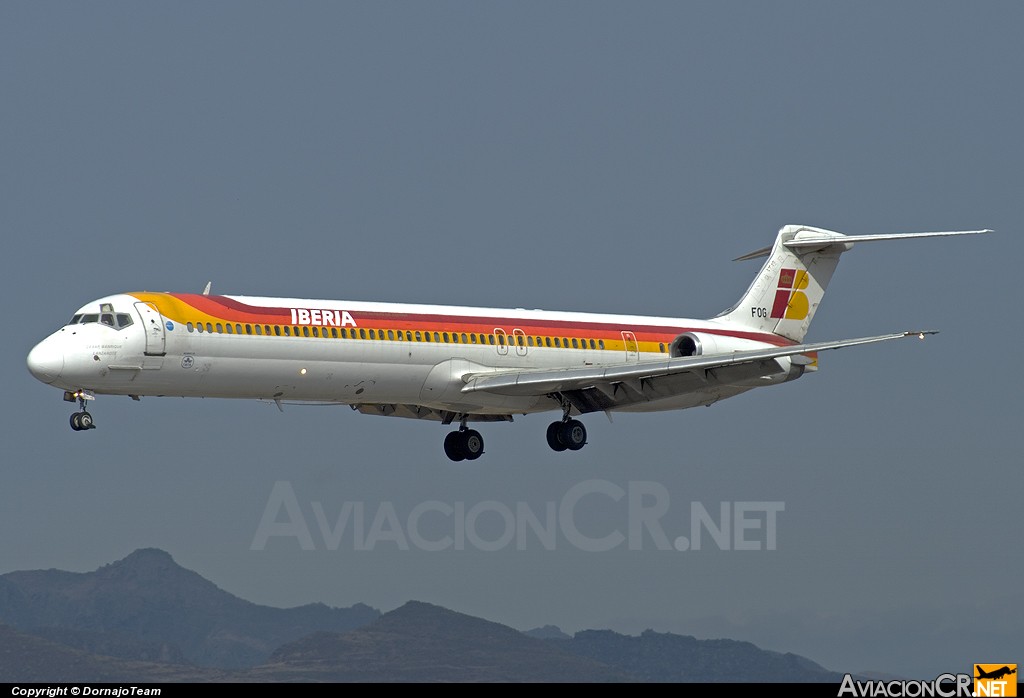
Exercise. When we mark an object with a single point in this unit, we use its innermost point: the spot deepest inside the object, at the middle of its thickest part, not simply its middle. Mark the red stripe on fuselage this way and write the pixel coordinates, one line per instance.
(236, 311)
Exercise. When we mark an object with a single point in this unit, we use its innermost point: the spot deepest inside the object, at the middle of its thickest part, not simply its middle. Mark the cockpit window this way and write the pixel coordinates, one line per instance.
(116, 320)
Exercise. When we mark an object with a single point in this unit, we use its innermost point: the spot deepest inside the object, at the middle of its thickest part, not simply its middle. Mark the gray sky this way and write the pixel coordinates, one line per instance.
(574, 156)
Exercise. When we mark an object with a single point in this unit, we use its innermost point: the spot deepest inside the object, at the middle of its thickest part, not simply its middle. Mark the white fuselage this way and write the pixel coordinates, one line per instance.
(357, 353)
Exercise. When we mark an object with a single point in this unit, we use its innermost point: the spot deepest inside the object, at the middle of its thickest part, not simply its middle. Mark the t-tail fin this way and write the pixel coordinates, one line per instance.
(787, 291)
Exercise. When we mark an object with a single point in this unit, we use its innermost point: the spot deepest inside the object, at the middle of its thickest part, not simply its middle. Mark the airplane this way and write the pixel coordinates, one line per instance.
(453, 364)
(997, 674)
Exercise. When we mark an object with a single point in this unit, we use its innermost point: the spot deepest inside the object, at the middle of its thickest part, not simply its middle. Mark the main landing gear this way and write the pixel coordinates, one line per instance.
(80, 421)
(567, 434)
(464, 444)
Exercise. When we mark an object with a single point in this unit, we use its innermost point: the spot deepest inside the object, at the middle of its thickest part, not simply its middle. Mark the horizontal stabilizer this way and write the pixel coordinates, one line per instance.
(816, 241)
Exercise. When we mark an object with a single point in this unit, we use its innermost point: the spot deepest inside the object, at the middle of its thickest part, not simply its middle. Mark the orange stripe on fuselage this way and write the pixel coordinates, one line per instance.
(197, 308)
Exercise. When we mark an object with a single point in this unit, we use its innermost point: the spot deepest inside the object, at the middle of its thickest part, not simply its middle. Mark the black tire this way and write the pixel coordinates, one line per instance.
(85, 421)
(75, 423)
(573, 435)
(453, 447)
(472, 444)
(553, 441)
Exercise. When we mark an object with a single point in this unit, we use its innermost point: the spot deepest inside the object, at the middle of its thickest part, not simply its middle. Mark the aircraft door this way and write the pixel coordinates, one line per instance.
(502, 346)
(631, 345)
(153, 325)
(519, 339)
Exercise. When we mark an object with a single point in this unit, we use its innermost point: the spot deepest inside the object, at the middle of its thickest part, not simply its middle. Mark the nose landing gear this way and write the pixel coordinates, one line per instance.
(80, 421)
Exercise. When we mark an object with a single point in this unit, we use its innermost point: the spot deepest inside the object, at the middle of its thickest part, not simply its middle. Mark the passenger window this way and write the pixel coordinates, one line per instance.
(229, 328)
(334, 333)
(189, 326)
(547, 341)
(316, 333)
(277, 330)
(529, 340)
(575, 343)
(362, 333)
(248, 329)
(521, 340)
(305, 331)
(418, 336)
(220, 328)
(238, 328)
(445, 335)
(558, 343)
(565, 342)
(490, 339)
(344, 333)
(266, 330)
(391, 334)
(259, 330)
(501, 339)
(437, 337)
(600, 343)
(661, 347)
(199, 327)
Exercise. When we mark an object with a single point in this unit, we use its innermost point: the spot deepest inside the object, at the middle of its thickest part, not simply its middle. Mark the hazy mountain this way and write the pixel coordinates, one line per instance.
(148, 607)
(548, 632)
(666, 657)
(421, 642)
(145, 618)
(29, 659)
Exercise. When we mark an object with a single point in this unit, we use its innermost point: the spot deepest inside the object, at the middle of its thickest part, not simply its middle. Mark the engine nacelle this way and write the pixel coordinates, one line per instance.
(705, 344)
(780, 370)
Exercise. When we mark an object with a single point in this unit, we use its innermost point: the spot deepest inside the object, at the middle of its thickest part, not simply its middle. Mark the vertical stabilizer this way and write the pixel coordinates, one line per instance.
(786, 292)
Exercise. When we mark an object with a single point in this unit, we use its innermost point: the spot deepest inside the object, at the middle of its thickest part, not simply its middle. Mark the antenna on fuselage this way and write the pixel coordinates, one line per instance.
(206, 291)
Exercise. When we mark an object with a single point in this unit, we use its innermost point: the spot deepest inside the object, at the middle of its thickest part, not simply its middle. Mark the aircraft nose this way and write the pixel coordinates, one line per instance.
(46, 361)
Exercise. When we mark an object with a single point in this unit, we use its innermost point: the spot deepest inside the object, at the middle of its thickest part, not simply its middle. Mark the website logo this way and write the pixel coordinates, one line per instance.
(995, 680)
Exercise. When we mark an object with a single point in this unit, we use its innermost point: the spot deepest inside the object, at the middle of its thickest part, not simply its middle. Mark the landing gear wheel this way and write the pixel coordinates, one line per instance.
(85, 421)
(453, 446)
(573, 435)
(76, 423)
(472, 444)
(553, 441)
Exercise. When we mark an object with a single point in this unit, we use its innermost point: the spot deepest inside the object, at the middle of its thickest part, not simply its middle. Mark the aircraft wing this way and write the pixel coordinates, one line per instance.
(651, 379)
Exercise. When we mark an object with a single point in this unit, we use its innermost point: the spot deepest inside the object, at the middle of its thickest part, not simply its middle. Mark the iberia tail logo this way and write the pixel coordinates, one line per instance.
(790, 301)
(995, 680)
